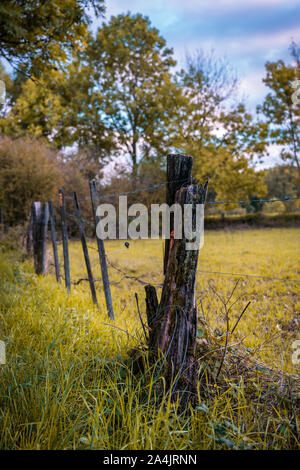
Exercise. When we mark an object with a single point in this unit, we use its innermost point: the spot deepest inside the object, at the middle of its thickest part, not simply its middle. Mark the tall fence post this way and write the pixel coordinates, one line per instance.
(102, 257)
(85, 250)
(64, 231)
(54, 242)
(173, 320)
(179, 174)
(40, 217)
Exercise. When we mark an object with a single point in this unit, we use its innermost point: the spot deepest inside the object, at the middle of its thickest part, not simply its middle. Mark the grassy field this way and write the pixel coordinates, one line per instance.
(68, 384)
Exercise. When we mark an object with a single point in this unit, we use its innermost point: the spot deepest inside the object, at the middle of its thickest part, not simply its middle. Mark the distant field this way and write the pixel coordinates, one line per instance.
(65, 383)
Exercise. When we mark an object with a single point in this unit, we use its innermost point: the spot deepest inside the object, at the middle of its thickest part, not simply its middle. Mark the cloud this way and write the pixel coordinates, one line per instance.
(247, 48)
(195, 6)
(247, 33)
(252, 88)
(265, 41)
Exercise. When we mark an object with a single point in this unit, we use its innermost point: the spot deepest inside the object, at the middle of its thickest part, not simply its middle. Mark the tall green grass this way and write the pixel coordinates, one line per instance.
(68, 382)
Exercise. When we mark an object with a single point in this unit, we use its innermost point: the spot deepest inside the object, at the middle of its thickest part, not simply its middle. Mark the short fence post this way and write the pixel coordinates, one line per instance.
(102, 257)
(54, 242)
(64, 231)
(40, 217)
(85, 250)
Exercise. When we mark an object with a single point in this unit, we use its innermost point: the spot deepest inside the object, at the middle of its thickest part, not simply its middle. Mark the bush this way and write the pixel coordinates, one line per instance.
(28, 172)
(276, 207)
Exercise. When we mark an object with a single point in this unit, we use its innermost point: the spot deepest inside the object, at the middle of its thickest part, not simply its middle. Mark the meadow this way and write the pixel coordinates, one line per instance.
(68, 381)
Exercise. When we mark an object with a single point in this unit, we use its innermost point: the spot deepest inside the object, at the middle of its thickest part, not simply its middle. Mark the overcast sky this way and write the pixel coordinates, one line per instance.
(247, 32)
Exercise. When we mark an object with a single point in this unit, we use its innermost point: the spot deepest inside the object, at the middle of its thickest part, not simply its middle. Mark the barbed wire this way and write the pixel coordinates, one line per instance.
(68, 214)
(92, 224)
(125, 275)
(156, 186)
(149, 188)
(284, 199)
(137, 279)
(248, 275)
(287, 198)
(199, 271)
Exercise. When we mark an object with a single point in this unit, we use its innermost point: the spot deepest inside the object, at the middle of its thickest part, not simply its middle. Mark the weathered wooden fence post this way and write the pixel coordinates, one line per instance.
(179, 174)
(173, 320)
(54, 242)
(40, 217)
(29, 235)
(64, 230)
(85, 250)
(102, 257)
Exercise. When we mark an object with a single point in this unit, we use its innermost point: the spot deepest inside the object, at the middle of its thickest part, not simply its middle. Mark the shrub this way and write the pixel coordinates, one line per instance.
(28, 172)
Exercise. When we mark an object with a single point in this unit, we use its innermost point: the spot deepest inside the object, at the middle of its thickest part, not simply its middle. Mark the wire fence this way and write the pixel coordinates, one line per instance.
(143, 279)
(156, 186)
(122, 270)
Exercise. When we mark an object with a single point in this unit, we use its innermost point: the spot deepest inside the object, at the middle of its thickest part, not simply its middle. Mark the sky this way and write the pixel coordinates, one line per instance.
(246, 32)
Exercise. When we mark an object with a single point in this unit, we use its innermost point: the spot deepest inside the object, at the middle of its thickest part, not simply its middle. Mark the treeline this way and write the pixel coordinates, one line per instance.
(31, 171)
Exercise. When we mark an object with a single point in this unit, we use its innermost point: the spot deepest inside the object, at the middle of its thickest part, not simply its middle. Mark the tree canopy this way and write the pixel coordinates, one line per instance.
(35, 35)
(216, 128)
(282, 113)
(130, 65)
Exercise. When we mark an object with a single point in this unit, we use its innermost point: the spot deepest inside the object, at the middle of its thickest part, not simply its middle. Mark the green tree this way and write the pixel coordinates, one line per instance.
(216, 130)
(36, 112)
(8, 89)
(116, 97)
(130, 65)
(282, 182)
(37, 34)
(36, 38)
(281, 112)
(60, 108)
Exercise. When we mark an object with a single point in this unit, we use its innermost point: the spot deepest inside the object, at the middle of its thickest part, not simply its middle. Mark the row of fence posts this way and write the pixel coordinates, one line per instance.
(41, 215)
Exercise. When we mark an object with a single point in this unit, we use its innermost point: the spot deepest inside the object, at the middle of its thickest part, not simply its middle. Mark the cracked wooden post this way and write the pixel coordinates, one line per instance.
(173, 322)
(179, 174)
